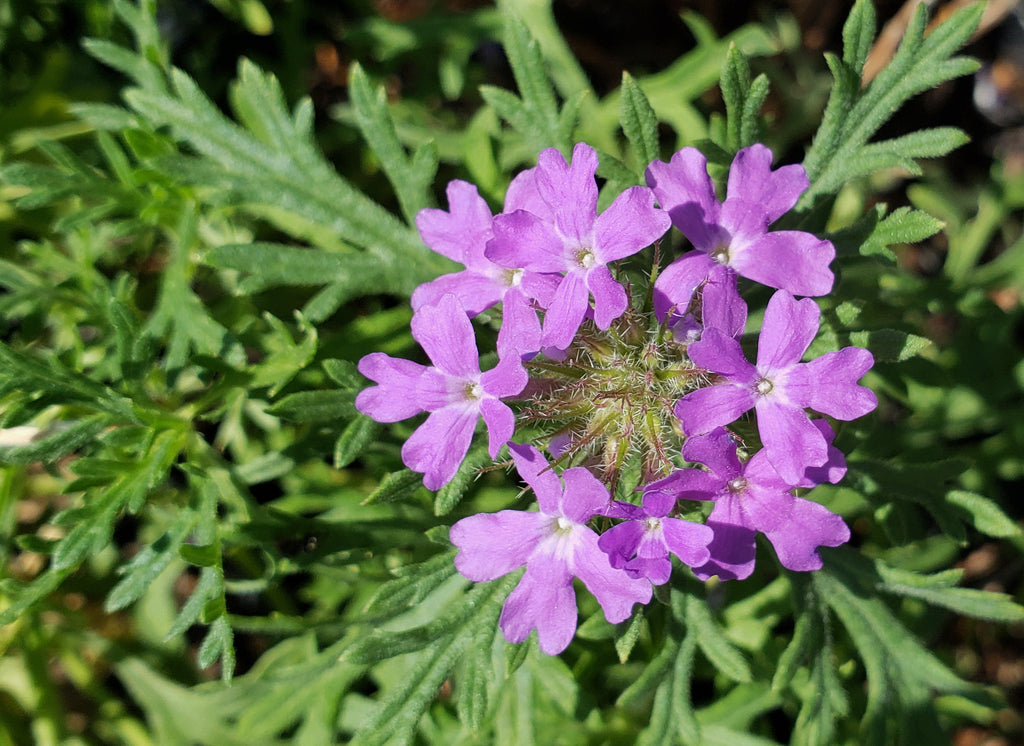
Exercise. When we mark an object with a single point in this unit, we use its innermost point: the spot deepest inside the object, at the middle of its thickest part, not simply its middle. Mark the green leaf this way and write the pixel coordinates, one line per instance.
(354, 439)
(840, 150)
(410, 177)
(967, 601)
(469, 470)
(285, 358)
(269, 265)
(984, 514)
(412, 584)
(627, 634)
(219, 643)
(713, 643)
(57, 445)
(144, 567)
(903, 677)
(315, 406)
(395, 486)
(273, 168)
(639, 122)
(401, 708)
(858, 34)
(890, 345)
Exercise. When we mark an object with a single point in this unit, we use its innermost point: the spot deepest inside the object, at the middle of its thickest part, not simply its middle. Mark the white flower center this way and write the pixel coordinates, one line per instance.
(513, 277)
(563, 525)
(737, 485)
(764, 386)
(585, 258)
(721, 254)
(474, 391)
(652, 524)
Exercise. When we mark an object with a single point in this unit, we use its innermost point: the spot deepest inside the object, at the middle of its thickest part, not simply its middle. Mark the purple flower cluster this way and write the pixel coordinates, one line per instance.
(588, 378)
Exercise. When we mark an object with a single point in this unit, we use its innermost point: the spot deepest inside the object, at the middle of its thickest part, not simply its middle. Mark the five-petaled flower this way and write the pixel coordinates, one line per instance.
(734, 233)
(453, 390)
(779, 387)
(556, 546)
(751, 497)
(559, 230)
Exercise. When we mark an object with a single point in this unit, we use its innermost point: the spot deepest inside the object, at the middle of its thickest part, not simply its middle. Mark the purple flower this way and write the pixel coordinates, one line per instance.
(641, 544)
(735, 233)
(556, 546)
(779, 387)
(752, 497)
(453, 390)
(716, 305)
(461, 235)
(560, 231)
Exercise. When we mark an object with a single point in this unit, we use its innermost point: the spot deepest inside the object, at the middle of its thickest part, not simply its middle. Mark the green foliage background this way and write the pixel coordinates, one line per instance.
(205, 543)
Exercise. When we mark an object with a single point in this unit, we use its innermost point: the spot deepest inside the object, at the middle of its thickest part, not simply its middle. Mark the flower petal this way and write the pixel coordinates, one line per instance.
(620, 542)
(789, 260)
(572, 188)
(501, 423)
(834, 469)
(537, 472)
(719, 353)
(684, 190)
(703, 410)
(584, 495)
(629, 224)
(610, 299)
(461, 233)
(687, 540)
(733, 551)
(446, 335)
(810, 526)
(717, 451)
(791, 442)
(438, 446)
(722, 307)
(829, 384)
(520, 333)
(566, 312)
(613, 589)
(789, 327)
(523, 240)
(494, 544)
(476, 292)
(393, 399)
(751, 179)
(675, 286)
(686, 484)
(544, 600)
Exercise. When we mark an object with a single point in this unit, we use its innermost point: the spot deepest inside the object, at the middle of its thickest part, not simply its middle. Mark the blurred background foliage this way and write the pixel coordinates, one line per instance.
(125, 265)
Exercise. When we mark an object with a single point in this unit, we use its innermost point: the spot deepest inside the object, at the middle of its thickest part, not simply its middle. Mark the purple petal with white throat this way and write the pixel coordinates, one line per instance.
(523, 240)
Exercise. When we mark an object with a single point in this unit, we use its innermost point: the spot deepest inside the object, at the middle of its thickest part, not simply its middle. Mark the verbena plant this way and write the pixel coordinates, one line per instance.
(217, 351)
